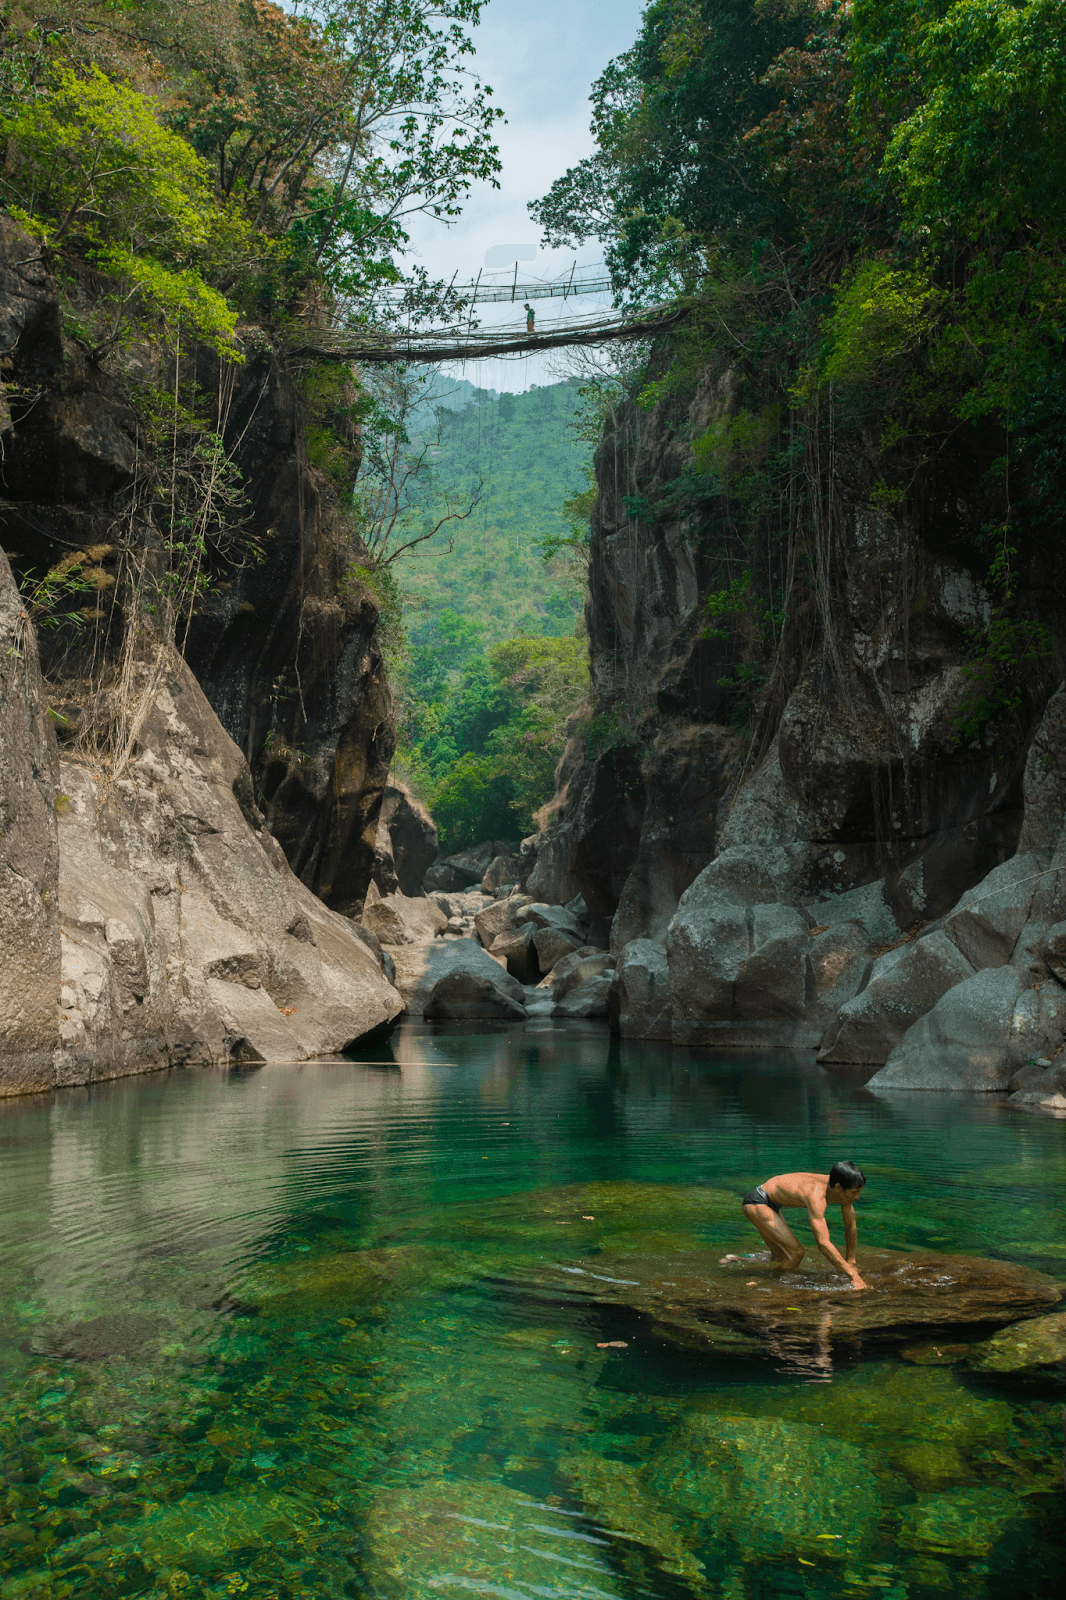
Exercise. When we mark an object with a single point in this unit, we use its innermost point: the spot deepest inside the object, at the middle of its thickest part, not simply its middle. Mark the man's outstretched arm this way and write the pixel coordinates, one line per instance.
(831, 1253)
(851, 1232)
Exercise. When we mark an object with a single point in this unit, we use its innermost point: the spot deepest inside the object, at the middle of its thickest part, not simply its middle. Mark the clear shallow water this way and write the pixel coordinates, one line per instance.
(277, 1332)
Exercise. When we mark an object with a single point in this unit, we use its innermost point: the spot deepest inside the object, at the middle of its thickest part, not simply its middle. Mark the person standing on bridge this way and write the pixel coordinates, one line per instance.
(529, 318)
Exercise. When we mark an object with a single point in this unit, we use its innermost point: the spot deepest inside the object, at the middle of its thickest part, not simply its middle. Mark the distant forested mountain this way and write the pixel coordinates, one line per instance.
(493, 668)
(493, 580)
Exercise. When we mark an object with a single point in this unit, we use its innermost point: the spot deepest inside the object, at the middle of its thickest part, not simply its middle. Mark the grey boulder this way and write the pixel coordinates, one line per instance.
(1053, 950)
(576, 969)
(865, 905)
(397, 919)
(1040, 1086)
(1039, 1026)
(553, 944)
(639, 998)
(764, 874)
(517, 947)
(501, 870)
(406, 843)
(563, 919)
(588, 999)
(467, 996)
(186, 937)
(904, 984)
(1044, 781)
(706, 942)
(988, 920)
(840, 961)
(499, 917)
(738, 974)
(444, 879)
(462, 982)
(471, 865)
(964, 1043)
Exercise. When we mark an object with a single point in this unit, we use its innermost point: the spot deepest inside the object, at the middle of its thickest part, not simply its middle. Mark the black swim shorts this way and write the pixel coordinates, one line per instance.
(759, 1197)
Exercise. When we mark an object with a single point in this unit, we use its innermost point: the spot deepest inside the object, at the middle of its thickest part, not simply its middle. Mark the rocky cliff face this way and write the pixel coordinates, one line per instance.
(148, 913)
(29, 854)
(187, 940)
(287, 650)
(285, 644)
(749, 877)
(147, 922)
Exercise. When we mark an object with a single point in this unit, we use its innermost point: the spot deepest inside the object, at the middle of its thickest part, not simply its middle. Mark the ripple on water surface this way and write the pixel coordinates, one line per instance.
(321, 1331)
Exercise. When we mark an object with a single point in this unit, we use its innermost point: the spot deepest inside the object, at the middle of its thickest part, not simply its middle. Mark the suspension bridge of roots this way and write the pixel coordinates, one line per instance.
(370, 345)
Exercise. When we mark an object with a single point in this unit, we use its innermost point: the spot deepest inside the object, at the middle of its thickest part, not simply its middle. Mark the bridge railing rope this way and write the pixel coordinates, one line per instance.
(379, 345)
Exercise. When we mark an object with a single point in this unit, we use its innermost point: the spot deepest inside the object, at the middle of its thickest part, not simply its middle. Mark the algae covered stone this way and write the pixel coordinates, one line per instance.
(1027, 1347)
(615, 1492)
(344, 1281)
(774, 1486)
(453, 1537)
(962, 1522)
(201, 1531)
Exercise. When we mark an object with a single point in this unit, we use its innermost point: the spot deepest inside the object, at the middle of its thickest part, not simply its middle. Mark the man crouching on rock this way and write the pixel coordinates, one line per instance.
(816, 1191)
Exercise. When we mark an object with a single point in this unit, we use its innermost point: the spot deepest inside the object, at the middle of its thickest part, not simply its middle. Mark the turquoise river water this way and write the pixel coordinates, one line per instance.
(276, 1332)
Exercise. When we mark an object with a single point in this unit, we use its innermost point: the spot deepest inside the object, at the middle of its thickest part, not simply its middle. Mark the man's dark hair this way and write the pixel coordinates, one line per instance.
(846, 1175)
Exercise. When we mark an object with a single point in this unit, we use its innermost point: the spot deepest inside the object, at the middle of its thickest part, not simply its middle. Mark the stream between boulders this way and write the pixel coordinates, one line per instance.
(452, 1318)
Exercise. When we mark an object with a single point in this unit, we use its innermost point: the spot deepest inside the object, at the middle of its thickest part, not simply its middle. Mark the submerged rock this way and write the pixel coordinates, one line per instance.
(455, 1537)
(203, 1532)
(961, 1522)
(775, 1486)
(614, 1490)
(116, 1333)
(1031, 1346)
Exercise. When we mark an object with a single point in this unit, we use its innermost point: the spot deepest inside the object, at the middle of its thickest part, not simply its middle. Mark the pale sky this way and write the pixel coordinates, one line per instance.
(541, 61)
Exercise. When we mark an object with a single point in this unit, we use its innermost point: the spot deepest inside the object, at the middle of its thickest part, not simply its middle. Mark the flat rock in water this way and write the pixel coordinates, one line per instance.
(691, 1294)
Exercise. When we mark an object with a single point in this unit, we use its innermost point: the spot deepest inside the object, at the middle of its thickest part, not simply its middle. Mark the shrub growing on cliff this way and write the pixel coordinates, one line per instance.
(93, 171)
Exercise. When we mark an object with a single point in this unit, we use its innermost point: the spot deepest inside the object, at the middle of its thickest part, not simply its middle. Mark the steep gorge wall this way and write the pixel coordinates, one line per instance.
(849, 800)
(854, 752)
(288, 653)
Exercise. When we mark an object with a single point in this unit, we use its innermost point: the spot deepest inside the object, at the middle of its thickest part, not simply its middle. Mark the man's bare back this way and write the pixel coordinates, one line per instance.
(815, 1191)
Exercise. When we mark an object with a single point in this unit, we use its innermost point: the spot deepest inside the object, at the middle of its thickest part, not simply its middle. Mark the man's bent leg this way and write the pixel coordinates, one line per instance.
(775, 1231)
